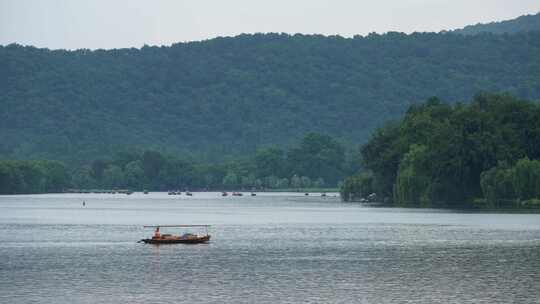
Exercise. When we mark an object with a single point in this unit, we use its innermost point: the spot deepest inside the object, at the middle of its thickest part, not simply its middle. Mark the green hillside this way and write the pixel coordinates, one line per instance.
(226, 96)
(521, 24)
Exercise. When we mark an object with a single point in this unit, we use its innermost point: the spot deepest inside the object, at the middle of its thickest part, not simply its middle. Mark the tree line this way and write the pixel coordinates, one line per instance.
(524, 23)
(20, 177)
(482, 154)
(317, 161)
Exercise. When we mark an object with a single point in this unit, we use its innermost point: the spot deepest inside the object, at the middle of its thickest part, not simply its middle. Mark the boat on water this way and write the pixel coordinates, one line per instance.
(186, 238)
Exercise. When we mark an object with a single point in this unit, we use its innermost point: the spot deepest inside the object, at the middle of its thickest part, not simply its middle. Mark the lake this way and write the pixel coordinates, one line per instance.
(272, 248)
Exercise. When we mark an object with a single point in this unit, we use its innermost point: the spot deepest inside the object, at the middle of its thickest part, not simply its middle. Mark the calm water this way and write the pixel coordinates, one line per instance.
(273, 248)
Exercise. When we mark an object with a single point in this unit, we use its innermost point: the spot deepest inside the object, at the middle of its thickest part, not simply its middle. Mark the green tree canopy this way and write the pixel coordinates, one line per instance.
(441, 154)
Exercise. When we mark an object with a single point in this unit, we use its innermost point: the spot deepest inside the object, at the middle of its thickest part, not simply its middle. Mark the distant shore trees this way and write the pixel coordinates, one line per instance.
(20, 177)
(318, 161)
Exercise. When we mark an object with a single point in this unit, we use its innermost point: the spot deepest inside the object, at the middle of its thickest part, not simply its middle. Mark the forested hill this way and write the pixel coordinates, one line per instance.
(521, 24)
(226, 96)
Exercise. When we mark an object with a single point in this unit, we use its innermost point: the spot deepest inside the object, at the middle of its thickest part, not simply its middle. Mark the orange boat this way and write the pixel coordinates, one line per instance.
(186, 238)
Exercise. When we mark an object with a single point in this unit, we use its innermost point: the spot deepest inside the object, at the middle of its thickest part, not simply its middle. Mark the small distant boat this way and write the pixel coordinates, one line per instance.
(253, 194)
(306, 194)
(224, 194)
(186, 238)
(145, 191)
(189, 193)
(323, 195)
(237, 194)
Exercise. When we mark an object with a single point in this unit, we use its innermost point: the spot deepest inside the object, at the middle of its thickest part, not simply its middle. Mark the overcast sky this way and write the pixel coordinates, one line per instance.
(108, 24)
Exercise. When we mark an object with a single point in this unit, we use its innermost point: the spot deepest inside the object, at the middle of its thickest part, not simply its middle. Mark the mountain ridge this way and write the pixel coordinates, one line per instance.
(229, 96)
(523, 23)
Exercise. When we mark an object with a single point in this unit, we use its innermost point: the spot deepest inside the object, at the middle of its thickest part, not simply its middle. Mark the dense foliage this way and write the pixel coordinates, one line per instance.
(521, 24)
(450, 155)
(505, 186)
(318, 161)
(32, 177)
(226, 97)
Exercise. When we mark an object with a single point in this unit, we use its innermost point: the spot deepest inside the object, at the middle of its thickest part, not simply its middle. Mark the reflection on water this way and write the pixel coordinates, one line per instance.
(271, 248)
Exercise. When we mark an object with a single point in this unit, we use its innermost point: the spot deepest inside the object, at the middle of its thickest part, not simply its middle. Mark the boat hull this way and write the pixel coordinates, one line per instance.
(197, 240)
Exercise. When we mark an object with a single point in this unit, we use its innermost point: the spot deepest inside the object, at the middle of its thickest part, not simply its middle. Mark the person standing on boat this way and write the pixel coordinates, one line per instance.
(157, 235)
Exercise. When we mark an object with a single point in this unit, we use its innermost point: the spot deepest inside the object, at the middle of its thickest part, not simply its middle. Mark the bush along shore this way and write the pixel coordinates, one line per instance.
(484, 154)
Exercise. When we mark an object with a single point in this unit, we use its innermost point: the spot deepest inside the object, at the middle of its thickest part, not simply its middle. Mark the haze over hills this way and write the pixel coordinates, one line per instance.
(227, 96)
(521, 24)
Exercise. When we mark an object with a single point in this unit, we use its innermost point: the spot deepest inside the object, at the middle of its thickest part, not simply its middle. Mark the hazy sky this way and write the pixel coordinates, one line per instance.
(95, 24)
